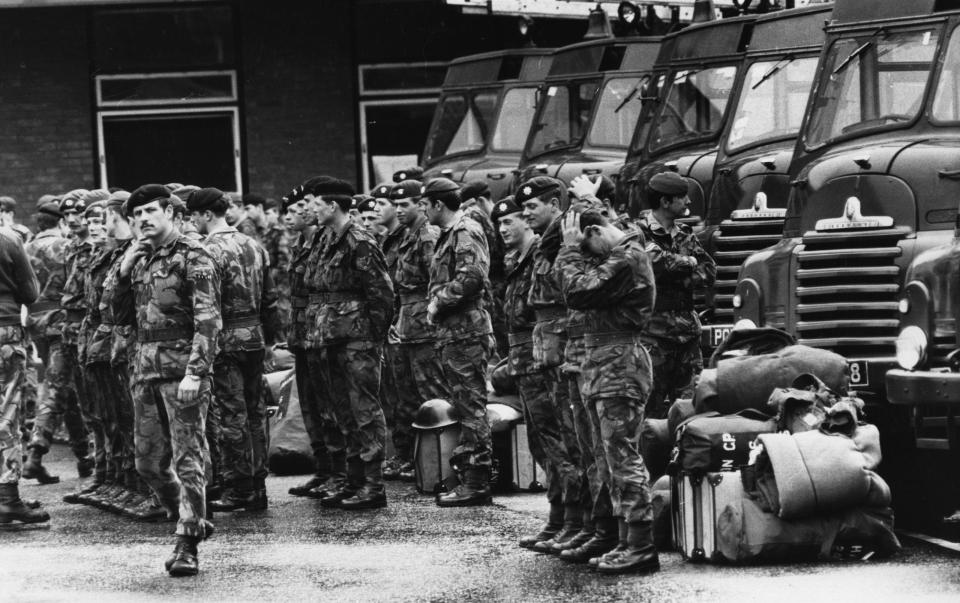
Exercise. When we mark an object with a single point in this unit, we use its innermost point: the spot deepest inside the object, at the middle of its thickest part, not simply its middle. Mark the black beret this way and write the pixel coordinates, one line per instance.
(537, 186)
(44, 199)
(438, 186)
(51, 208)
(382, 191)
(173, 186)
(292, 197)
(202, 199)
(73, 201)
(669, 183)
(505, 207)
(413, 173)
(145, 194)
(365, 203)
(254, 199)
(97, 207)
(406, 189)
(327, 185)
(474, 189)
(116, 200)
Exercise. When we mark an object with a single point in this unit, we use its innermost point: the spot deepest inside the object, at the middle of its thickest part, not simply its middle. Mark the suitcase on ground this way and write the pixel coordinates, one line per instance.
(715, 442)
(432, 451)
(697, 500)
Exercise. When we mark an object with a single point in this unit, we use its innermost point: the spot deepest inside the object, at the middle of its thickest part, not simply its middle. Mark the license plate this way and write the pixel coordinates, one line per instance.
(859, 373)
(711, 336)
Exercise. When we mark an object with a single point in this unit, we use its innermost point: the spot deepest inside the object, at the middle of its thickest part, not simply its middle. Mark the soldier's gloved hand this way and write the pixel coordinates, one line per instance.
(571, 229)
(431, 312)
(582, 187)
(189, 388)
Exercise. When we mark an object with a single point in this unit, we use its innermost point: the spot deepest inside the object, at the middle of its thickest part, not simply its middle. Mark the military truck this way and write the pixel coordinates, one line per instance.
(589, 107)
(748, 200)
(486, 107)
(874, 187)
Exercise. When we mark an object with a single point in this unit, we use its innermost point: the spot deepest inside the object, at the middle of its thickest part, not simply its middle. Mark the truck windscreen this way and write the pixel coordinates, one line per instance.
(772, 102)
(871, 81)
(463, 121)
(617, 113)
(513, 122)
(694, 105)
(564, 115)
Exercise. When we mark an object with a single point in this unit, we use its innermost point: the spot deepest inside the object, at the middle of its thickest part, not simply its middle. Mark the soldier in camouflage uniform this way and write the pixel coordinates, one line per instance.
(416, 366)
(354, 301)
(616, 290)
(276, 241)
(477, 206)
(169, 289)
(18, 287)
(680, 265)
(542, 199)
(248, 306)
(47, 253)
(458, 289)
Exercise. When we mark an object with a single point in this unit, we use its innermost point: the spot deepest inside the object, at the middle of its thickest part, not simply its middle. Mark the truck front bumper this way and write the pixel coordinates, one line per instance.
(916, 388)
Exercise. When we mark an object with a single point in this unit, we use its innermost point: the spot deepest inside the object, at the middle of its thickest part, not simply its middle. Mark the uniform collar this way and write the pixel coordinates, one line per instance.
(656, 226)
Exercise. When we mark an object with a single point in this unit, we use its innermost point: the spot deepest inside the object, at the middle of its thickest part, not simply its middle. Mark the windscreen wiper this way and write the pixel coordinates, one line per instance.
(773, 70)
(856, 52)
(633, 93)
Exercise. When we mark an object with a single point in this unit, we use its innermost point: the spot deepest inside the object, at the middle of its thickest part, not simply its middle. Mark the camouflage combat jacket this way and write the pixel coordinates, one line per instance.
(351, 295)
(172, 298)
(120, 338)
(300, 251)
(674, 316)
(546, 299)
(91, 345)
(79, 254)
(520, 317)
(248, 297)
(47, 252)
(458, 281)
(412, 278)
(246, 226)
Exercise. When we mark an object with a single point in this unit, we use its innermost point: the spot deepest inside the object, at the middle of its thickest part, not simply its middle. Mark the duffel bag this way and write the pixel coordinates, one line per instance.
(655, 446)
(715, 442)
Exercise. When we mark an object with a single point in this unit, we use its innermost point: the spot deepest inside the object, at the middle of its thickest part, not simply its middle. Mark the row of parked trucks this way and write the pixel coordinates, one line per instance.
(821, 145)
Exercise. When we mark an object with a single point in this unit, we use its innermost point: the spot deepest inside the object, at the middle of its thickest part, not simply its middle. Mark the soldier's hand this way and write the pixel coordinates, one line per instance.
(582, 187)
(571, 229)
(189, 388)
(132, 256)
(431, 313)
(393, 336)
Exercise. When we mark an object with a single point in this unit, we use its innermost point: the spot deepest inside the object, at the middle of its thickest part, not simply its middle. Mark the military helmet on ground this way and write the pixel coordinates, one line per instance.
(433, 414)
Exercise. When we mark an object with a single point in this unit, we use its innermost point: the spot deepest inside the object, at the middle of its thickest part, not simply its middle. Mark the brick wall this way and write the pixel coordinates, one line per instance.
(46, 130)
(298, 91)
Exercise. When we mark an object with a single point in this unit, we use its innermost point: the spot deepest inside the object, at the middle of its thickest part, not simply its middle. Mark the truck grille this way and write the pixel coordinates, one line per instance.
(847, 288)
(738, 239)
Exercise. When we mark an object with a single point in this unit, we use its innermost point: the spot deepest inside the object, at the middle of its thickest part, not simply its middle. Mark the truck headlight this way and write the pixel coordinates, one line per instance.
(911, 347)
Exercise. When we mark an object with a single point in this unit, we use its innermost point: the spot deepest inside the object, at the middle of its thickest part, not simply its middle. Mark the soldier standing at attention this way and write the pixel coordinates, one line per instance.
(248, 307)
(477, 205)
(543, 199)
(607, 274)
(458, 287)
(47, 252)
(18, 287)
(355, 303)
(169, 289)
(680, 265)
(416, 366)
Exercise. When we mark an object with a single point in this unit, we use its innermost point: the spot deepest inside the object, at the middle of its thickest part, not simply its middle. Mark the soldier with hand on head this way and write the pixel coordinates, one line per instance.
(169, 291)
(680, 265)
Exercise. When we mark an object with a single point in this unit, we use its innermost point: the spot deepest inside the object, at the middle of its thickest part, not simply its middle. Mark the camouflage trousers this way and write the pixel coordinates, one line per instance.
(608, 370)
(464, 363)
(388, 393)
(310, 409)
(593, 460)
(100, 414)
(61, 402)
(675, 365)
(239, 424)
(171, 445)
(418, 377)
(553, 443)
(124, 446)
(352, 383)
(12, 358)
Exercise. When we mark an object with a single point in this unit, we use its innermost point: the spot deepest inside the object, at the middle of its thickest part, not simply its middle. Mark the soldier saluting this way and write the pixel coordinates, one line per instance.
(169, 290)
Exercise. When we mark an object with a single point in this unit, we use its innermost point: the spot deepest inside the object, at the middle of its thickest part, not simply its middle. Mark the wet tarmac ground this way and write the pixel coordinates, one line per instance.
(410, 551)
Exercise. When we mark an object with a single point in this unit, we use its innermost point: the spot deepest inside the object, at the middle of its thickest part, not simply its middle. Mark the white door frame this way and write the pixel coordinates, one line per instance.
(234, 112)
(364, 154)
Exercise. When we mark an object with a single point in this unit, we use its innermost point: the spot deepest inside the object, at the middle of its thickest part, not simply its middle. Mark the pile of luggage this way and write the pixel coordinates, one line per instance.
(771, 462)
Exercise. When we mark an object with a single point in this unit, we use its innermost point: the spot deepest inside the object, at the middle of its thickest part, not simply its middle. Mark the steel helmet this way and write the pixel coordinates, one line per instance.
(433, 414)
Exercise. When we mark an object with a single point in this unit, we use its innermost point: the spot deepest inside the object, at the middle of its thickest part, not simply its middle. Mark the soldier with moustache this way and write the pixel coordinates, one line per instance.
(680, 265)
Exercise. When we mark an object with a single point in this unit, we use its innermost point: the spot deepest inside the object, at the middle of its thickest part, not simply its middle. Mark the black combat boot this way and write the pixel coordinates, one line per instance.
(34, 469)
(605, 539)
(336, 477)
(572, 522)
(474, 491)
(183, 561)
(73, 498)
(553, 525)
(355, 478)
(579, 539)
(614, 552)
(13, 509)
(85, 467)
(372, 495)
(325, 465)
(640, 556)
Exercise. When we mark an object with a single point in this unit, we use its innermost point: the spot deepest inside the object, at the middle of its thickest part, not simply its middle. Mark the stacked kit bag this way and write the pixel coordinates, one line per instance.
(776, 466)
